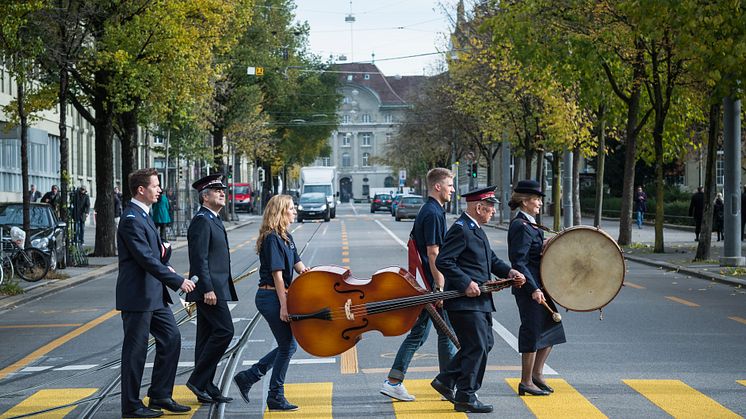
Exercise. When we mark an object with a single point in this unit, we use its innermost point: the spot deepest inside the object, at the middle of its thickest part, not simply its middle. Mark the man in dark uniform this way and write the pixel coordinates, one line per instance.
(142, 297)
(466, 261)
(210, 261)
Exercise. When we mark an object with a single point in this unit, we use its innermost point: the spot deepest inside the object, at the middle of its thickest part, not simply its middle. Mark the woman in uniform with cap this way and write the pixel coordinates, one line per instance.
(538, 332)
(278, 258)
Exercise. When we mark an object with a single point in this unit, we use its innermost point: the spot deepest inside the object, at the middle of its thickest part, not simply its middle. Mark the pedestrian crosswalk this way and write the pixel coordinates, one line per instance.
(672, 397)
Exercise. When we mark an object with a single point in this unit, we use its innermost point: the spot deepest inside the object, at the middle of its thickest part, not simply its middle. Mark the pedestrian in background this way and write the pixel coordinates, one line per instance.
(717, 216)
(278, 258)
(640, 205)
(117, 195)
(53, 199)
(538, 332)
(696, 210)
(142, 297)
(81, 204)
(161, 215)
(210, 262)
(34, 195)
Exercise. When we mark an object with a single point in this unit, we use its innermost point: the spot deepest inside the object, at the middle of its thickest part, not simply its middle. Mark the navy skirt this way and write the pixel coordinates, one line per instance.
(537, 330)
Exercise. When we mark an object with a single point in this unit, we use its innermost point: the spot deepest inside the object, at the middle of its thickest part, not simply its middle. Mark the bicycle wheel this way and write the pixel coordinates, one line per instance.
(33, 265)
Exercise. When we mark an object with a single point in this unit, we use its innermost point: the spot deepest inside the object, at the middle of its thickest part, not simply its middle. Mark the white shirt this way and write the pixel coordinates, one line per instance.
(145, 207)
(527, 215)
(213, 212)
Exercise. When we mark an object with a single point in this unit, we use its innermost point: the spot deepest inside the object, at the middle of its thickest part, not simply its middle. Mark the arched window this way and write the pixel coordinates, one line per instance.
(389, 182)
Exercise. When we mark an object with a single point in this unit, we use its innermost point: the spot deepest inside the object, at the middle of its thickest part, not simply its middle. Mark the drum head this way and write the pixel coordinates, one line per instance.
(582, 268)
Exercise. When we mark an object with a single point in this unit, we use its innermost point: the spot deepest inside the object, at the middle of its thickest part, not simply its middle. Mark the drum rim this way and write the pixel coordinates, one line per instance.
(621, 255)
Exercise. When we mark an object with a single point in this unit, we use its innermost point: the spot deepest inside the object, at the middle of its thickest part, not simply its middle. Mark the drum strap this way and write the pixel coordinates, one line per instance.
(539, 226)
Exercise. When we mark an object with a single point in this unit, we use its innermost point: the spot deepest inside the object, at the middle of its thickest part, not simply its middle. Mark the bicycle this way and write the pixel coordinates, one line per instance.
(31, 264)
(6, 268)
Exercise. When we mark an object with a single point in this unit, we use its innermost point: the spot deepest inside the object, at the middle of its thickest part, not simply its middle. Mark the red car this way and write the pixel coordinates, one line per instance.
(243, 193)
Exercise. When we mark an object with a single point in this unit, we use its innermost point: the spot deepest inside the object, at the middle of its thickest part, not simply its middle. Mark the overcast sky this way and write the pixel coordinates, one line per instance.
(388, 28)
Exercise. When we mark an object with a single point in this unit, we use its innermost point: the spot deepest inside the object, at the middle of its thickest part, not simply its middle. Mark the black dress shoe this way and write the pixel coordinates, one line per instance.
(216, 395)
(444, 390)
(202, 396)
(143, 412)
(474, 407)
(168, 404)
(542, 385)
(244, 385)
(523, 390)
(280, 405)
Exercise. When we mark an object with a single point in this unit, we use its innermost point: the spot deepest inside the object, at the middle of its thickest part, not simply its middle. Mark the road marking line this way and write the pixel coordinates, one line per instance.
(345, 247)
(348, 361)
(345, 260)
(680, 400)
(437, 369)
(39, 326)
(302, 361)
(314, 400)
(182, 395)
(738, 319)
(631, 285)
(33, 356)
(345, 253)
(391, 233)
(45, 399)
(354, 211)
(37, 368)
(682, 301)
(741, 382)
(565, 402)
(428, 403)
(76, 367)
(513, 342)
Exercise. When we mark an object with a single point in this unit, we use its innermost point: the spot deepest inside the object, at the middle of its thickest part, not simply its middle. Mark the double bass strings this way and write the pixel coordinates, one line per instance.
(377, 307)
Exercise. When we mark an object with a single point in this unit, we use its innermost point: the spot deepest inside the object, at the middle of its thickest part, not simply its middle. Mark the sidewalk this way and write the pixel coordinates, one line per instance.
(680, 249)
(97, 266)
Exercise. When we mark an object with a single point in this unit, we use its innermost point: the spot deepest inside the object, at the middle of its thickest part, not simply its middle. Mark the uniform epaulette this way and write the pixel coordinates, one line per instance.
(459, 222)
(130, 216)
(472, 225)
(200, 214)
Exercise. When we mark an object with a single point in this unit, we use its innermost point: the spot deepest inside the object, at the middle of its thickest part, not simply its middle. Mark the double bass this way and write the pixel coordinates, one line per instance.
(329, 309)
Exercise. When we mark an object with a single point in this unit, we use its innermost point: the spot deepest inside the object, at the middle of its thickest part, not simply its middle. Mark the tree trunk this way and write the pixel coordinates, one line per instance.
(128, 138)
(600, 163)
(705, 235)
(659, 187)
(576, 213)
(625, 216)
(23, 119)
(556, 191)
(105, 233)
(64, 150)
(217, 147)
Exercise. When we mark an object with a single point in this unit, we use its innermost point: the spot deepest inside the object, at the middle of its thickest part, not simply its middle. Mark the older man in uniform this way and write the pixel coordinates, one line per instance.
(466, 261)
(210, 261)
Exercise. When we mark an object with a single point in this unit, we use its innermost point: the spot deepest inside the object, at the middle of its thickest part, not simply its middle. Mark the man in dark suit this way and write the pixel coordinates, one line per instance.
(210, 261)
(696, 210)
(466, 261)
(142, 297)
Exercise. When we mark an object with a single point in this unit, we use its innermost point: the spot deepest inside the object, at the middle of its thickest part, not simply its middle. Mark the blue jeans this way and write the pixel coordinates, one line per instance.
(79, 230)
(415, 339)
(277, 359)
(639, 218)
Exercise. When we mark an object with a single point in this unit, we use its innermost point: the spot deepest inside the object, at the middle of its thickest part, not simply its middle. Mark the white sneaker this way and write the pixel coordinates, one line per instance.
(397, 391)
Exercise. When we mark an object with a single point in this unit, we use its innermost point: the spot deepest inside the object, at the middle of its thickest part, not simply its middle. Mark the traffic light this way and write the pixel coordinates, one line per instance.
(474, 167)
(260, 174)
(230, 171)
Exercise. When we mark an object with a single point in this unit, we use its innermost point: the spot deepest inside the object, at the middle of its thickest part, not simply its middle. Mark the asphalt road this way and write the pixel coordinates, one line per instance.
(669, 345)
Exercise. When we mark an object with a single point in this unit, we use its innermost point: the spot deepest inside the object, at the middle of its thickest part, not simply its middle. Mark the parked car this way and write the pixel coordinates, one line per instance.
(394, 202)
(243, 193)
(47, 232)
(313, 205)
(409, 206)
(380, 201)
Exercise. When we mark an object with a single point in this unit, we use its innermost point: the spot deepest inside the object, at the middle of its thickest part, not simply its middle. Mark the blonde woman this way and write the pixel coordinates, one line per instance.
(278, 258)
(538, 332)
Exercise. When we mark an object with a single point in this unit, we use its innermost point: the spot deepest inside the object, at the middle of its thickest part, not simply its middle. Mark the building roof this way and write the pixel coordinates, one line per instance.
(392, 90)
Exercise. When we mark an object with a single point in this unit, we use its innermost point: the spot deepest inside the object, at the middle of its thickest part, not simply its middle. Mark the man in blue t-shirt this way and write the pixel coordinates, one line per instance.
(428, 232)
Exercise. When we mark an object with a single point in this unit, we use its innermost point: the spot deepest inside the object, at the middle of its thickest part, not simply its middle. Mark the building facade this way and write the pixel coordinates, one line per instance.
(370, 114)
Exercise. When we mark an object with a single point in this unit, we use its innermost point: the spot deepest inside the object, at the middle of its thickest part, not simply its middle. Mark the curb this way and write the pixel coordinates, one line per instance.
(698, 273)
(48, 288)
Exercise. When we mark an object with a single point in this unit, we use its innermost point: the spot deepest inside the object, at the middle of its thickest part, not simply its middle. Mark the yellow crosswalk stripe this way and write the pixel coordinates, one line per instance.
(183, 395)
(313, 399)
(565, 402)
(427, 404)
(741, 382)
(45, 399)
(679, 400)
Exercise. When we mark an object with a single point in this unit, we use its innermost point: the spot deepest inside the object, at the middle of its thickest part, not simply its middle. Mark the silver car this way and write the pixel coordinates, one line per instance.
(408, 206)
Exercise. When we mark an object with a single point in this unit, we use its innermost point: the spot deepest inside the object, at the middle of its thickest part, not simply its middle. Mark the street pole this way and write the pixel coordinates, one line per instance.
(567, 189)
(505, 178)
(731, 183)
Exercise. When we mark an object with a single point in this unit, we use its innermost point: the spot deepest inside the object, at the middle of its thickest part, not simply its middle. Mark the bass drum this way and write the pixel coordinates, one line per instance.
(582, 268)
